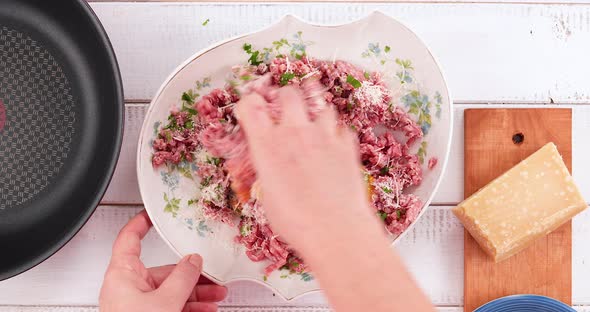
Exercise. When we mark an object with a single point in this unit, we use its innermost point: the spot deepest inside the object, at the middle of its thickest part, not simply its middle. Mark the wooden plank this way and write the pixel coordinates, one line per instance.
(545, 268)
(81, 263)
(433, 251)
(490, 52)
(124, 188)
(222, 309)
(368, 1)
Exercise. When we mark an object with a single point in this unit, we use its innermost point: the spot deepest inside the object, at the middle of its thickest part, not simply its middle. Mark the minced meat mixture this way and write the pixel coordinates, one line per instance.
(207, 133)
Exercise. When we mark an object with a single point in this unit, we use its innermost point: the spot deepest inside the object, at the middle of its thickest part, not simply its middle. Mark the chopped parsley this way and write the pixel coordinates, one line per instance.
(188, 101)
(390, 107)
(254, 59)
(187, 98)
(214, 161)
(254, 54)
(367, 75)
(384, 170)
(398, 213)
(191, 202)
(387, 49)
(355, 83)
(265, 278)
(349, 106)
(206, 181)
(205, 22)
(172, 125)
(382, 215)
(190, 110)
(291, 265)
(222, 120)
(245, 229)
(387, 190)
(168, 135)
(285, 78)
(353, 127)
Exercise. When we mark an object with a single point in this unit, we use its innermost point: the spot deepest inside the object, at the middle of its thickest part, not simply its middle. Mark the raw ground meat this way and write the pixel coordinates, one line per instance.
(210, 136)
(432, 162)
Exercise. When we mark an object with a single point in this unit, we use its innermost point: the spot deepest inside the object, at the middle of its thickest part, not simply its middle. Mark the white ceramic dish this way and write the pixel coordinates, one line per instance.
(373, 43)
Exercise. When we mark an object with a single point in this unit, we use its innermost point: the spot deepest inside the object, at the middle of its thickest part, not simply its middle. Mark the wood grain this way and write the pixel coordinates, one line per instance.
(124, 188)
(544, 268)
(492, 53)
(432, 251)
(502, 53)
(221, 309)
(368, 1)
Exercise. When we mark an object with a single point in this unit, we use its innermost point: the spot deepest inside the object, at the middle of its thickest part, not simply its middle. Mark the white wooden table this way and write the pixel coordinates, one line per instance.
(493, 54)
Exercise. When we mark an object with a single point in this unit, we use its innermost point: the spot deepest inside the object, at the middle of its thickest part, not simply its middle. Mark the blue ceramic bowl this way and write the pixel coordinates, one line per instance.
(525, 303)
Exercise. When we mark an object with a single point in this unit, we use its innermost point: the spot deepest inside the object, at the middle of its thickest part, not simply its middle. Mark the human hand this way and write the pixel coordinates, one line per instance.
(309, 172)
(130, 286)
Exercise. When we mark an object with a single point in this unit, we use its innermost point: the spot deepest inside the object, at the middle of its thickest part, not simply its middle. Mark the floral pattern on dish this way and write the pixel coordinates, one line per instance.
(424, 76)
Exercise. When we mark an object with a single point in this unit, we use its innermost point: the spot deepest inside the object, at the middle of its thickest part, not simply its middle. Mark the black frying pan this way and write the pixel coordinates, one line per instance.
(61, 120)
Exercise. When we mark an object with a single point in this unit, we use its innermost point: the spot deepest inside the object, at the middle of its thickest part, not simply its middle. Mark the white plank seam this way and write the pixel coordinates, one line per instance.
(124, 189)
(433, 252)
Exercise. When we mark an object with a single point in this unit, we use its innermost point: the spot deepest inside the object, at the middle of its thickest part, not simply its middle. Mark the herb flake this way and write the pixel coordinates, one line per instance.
(349, 106)
(214, 161)
(285, 78)
(245, 230)
(253, 60)
(206, 181)
(355, 83)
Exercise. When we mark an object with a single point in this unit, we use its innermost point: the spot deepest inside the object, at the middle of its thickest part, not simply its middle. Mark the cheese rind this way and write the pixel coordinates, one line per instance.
(529, 201)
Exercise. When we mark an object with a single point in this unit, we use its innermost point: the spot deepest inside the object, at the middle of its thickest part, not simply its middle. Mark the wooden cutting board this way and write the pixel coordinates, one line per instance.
(496, 140)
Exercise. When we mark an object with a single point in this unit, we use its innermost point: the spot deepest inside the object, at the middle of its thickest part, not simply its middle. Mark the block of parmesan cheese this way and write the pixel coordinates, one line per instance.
(530, 200)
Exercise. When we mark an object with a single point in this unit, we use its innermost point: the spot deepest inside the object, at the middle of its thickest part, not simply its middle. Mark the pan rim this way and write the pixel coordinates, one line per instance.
(118, 120)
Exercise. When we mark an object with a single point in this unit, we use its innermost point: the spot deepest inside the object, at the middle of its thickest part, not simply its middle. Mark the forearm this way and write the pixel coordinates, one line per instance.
(359, 271)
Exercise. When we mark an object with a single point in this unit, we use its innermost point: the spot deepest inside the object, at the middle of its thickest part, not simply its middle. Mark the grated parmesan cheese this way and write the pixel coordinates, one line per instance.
(369, 93)
(215, 193)
(254, 211)
(288, 65)
(201, 155)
